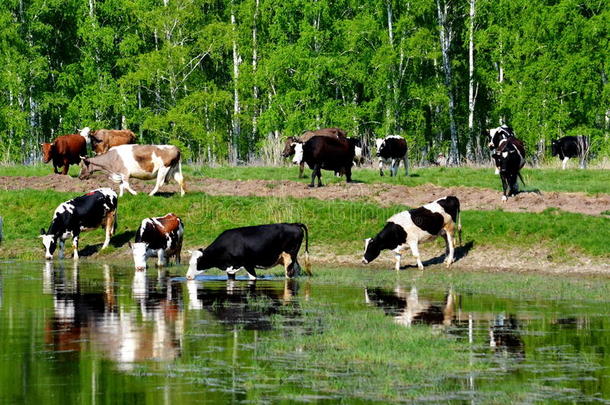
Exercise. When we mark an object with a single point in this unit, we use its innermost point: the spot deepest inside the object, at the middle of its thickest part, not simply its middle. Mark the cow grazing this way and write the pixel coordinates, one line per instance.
(497, 137)
(250, 247)
(140, 161)
(64, 151)
(510, 159)
(329, 154)
(391, 151)
(160, 237)
(104, 139)
(569, 147)
(408, 228)
(292, 142)
(87, 212)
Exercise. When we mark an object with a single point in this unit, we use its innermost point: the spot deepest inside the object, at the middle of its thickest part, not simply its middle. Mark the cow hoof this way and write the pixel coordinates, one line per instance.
(504, 198)
(310, 186)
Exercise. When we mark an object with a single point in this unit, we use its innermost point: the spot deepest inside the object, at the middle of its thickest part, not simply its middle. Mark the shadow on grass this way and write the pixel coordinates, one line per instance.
(121, 239)
(459, 253)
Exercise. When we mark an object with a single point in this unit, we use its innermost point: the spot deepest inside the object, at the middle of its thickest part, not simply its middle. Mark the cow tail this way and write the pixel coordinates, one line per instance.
(521, 177)
(459, 218)
(307, 262)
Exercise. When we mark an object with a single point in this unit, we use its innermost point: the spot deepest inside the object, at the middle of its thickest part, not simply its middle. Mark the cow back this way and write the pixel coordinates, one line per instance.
(85, 212)
(104, 139)
(328, 132)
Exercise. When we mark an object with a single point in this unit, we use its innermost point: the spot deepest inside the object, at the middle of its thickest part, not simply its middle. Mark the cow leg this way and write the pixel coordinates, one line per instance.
(397, 257)
(393, 168)
(301, 169)
(313, 177)
(110, 218)
(161, 260)
(251, 272)
(564, 164)
(75, 245)
(231, 272)
(415, 252)
(504, 186)
(160, 179)
(449, 248)
(125, 184)
(66, 167)
(62, 246)
(178, 252)
(380, 167)
(180, 180)
(348, 174)
(406, 162)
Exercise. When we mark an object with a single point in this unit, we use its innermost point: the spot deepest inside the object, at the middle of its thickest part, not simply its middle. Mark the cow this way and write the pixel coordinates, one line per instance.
(408, 228)
(510, 159)
(261, 246)
(330, 154)
(64, 151)
(290, 144)
(569, 147)
(104, 139)
(87, 212)
(391, 150)
(497, 137)
(140, 161)
(160, 237)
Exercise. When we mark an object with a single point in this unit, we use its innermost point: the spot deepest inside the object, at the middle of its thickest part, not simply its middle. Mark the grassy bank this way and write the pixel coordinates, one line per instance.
(336, 227)
(575, 180)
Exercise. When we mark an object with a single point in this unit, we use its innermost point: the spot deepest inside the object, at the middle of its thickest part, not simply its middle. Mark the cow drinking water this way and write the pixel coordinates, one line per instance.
(250, 247)
(391, 150)
(140, 161)
(408, 228)
(87, 212)
(160, 237)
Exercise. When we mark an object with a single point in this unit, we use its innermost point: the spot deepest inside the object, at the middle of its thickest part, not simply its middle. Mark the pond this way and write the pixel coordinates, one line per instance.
(101, 334)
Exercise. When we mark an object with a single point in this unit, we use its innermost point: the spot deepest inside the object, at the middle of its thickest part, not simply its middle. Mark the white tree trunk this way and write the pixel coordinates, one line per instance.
(446, 34)
(255, 87)
(472, 93)
(236, 130)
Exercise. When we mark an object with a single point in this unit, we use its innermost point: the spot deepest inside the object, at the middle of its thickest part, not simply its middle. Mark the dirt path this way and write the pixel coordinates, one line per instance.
(471, 198)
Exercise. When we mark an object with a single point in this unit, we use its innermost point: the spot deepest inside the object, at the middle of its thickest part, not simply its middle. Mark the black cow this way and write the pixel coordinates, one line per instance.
(90, 211)
(330, 154)
(497, 137)
(259, 246)
(510, 159)
(391, 151)
(408, 228)
(569, 147)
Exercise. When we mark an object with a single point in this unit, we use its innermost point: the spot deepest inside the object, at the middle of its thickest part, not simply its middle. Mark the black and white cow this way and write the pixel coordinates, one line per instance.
(569, 147)
(510, 159)
(408, 228)
(87, 212)
(250, 247)
(497, 137)
(160, 237)
(391, 150)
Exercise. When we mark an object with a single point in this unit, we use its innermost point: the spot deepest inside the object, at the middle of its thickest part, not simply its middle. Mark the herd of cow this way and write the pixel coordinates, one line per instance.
(260, 246)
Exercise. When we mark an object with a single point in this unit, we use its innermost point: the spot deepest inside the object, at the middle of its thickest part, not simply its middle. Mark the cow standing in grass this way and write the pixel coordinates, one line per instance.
(497, 138)
(87, 212)
(329, 154)
(140, 161)
(64, 151)
(291, 145)
(252, 247)
(160, 237)
(510, 159)
(391, 150)
(406, 229)
(569, 147)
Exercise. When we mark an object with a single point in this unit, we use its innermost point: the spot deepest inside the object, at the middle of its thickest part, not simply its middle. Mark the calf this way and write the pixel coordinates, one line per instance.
(65, 150)
(408, 228)
(569, 147)
(161, 237)
(510, 159)
(87, 212)
(391, 151)
(250, 247)
(497, 138)
(104, 139)
(329, 154)
(140, 161)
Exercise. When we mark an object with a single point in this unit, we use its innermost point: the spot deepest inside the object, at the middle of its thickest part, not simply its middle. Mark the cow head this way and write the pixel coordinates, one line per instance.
(289, 145)
(47, 152)
(555, 148)
(49, 242)
(298, 153)
(194, 264)
(138, 250)
(371, 250)
(379, 143)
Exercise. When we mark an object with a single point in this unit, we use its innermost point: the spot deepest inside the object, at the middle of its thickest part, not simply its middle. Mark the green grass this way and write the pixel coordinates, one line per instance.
(576, 180)
(336, 227)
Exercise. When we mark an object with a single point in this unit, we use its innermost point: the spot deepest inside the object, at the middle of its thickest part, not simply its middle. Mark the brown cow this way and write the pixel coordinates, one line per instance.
(104, 139)
(291, 141)
(66, 150)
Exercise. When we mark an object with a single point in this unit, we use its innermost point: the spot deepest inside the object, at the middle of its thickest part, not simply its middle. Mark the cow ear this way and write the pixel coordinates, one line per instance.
(129, 244)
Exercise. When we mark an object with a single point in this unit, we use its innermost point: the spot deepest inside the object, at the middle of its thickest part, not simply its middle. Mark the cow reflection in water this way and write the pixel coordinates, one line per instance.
(246, 303)
(408, 308)
(88, 317)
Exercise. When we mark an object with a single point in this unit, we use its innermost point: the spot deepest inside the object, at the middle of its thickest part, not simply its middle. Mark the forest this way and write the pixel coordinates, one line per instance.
(226, 80)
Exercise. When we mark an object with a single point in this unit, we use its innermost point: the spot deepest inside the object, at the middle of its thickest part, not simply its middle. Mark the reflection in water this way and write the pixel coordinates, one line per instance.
(86, 317)
(247, 303)
(408, 308)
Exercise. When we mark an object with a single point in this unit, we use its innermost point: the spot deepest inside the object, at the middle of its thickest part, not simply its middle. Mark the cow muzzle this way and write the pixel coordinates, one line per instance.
(48, 257)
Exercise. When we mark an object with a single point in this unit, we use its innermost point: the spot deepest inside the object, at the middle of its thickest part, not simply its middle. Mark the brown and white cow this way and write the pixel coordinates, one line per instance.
(160, 237)
(104, 139)
(64, 151)
(140, 161)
